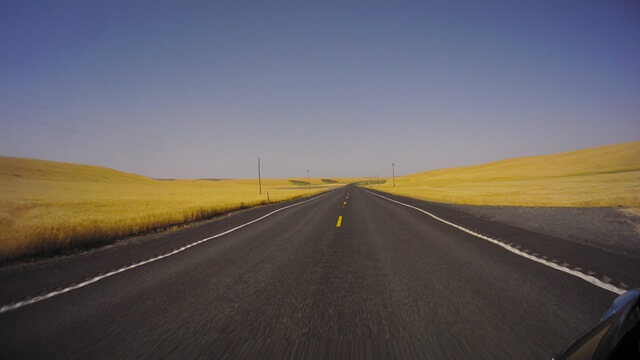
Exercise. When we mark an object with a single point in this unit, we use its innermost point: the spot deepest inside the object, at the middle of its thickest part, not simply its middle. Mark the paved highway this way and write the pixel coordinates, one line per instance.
(348, 274)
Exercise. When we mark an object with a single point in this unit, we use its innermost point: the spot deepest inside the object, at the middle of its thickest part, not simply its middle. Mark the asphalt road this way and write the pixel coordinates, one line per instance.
(389, 282)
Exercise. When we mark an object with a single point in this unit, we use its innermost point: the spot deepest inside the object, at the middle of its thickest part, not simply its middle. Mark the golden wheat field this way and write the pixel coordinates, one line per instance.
(601, 176)
(48, 205)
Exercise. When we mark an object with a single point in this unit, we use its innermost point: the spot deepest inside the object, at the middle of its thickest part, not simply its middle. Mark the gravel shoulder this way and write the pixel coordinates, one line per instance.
(613, 229)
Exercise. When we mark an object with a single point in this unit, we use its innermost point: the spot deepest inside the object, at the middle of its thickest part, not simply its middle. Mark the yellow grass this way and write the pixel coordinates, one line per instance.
(601, 176)
(50, 205)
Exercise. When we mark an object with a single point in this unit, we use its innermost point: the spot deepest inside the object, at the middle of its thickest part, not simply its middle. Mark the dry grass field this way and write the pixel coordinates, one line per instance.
(45, 206)
(601, 176)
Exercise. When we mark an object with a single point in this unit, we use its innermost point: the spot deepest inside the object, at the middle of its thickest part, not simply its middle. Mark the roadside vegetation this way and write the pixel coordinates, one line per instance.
(371, 182)
(324, 182)
(601, 176)
(47, 206)
(299, 182)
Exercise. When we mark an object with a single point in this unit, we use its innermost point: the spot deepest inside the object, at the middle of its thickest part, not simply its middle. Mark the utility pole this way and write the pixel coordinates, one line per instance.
(259, 179)
(393, 171)
(308, 179)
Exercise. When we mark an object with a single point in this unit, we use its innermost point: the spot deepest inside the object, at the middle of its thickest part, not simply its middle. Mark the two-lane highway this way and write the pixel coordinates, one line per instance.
(348, 274)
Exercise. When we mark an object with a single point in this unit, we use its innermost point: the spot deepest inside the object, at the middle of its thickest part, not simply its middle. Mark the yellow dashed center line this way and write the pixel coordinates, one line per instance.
(339, 223)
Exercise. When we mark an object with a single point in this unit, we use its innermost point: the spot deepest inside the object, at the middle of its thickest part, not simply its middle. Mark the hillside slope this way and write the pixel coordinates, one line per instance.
(601, 176)
(36, 170)
(47, 206)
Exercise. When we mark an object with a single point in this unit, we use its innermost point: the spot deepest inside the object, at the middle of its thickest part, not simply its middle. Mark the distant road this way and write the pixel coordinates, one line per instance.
(348, 274)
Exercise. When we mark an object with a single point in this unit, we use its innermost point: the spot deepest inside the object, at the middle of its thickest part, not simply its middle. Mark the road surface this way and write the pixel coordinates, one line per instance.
(348, 274)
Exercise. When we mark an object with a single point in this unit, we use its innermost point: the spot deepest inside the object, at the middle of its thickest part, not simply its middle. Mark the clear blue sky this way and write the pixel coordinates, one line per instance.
(201, 89)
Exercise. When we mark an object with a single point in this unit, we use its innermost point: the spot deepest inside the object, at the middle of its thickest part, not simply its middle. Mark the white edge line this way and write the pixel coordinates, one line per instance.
(588, 278)
(39, 298)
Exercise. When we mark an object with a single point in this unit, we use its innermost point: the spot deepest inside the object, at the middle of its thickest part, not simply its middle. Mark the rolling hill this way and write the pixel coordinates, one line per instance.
(47, 206)
(601, 176)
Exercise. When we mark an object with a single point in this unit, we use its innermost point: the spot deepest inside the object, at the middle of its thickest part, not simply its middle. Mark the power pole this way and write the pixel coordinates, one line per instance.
(393, 171)
(259, 179)
(308, 179)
